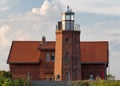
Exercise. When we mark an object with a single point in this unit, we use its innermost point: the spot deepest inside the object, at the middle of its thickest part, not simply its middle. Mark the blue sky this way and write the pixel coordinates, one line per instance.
(31, 19)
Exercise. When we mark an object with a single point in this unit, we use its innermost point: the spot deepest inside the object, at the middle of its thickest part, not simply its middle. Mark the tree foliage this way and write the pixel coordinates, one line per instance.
(110, 77)
(6, 79)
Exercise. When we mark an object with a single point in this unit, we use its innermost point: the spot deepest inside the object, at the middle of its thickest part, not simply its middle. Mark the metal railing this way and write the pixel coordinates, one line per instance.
(75, 28)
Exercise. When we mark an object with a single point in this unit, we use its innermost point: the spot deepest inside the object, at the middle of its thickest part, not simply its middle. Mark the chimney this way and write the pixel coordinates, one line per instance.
(43, 40)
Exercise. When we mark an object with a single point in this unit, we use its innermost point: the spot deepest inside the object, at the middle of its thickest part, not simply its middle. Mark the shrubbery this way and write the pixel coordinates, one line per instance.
(97, 83)
(6, 80)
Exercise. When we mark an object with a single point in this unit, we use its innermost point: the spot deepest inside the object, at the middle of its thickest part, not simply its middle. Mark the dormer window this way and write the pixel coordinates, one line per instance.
(52, 57)
(47, 57)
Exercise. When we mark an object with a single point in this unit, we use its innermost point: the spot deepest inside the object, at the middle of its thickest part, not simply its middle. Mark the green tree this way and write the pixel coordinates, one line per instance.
(18, 82)
(1, 80)
(110, 77)
(5, 74)
(8, 82)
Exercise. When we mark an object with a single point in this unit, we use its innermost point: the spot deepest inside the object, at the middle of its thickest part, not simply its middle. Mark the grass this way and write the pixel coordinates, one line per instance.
(96, 83)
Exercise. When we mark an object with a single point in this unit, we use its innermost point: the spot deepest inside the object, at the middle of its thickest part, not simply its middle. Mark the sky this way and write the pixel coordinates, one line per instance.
(29, 20)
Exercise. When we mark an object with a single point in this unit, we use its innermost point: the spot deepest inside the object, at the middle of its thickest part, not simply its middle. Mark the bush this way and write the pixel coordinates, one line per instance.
(81, 83)
(97, 83)
(6, 80)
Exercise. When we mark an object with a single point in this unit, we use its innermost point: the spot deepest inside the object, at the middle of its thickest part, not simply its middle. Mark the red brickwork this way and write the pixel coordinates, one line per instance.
(95, 69)
(46, 67)
(58, 54)
(68, 41)
(21, 71)
(90, 52)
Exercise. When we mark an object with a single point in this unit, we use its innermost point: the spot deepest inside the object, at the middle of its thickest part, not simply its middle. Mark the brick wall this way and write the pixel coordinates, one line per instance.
(96, 70)
(21, 71)
(67, 42)
(46, 67)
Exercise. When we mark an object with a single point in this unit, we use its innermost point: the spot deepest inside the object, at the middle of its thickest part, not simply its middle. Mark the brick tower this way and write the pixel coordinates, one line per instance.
(67, 49)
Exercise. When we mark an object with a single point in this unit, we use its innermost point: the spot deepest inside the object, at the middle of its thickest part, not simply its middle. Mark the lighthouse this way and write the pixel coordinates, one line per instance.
(67, 49)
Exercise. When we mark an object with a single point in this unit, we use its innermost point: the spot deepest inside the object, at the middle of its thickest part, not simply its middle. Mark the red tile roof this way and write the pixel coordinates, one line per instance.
(29, 51)
(96, 52)
(24, 52)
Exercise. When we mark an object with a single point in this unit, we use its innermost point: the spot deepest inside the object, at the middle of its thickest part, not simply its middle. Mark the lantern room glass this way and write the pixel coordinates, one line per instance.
(67, 17)
(72, 16)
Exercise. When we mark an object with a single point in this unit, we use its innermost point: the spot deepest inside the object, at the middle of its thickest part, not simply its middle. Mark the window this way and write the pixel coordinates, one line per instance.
(66, 57)
(72, 25)
(91, 76)
(58, 77)
(67, 17)
(67, 76)
(47, 56)
(68, 25)
(72, 17)
(67, 40)
(52, 57)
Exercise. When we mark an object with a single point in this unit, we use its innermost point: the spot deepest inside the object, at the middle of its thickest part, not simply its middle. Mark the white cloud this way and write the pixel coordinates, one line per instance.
(46, 9)
(109, 7)
(5, 1)
(36, 11)
(113, 10)
(2, 9)
(4, 31)
(21, 36)
(2, 1)
(101, 30)
(35, 27)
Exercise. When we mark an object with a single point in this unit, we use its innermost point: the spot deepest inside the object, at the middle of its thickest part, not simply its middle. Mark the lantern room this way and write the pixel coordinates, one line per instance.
(67, 22)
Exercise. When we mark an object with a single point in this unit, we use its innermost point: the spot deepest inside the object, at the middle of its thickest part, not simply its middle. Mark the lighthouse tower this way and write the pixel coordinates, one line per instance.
(67, 48)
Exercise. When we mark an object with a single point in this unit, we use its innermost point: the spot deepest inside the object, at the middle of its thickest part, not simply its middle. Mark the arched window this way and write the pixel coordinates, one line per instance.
(58, 77)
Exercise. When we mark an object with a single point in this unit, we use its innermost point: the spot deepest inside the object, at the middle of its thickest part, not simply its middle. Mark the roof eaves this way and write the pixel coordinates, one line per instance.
(24, 62)
(94, 62)
(46, 49)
